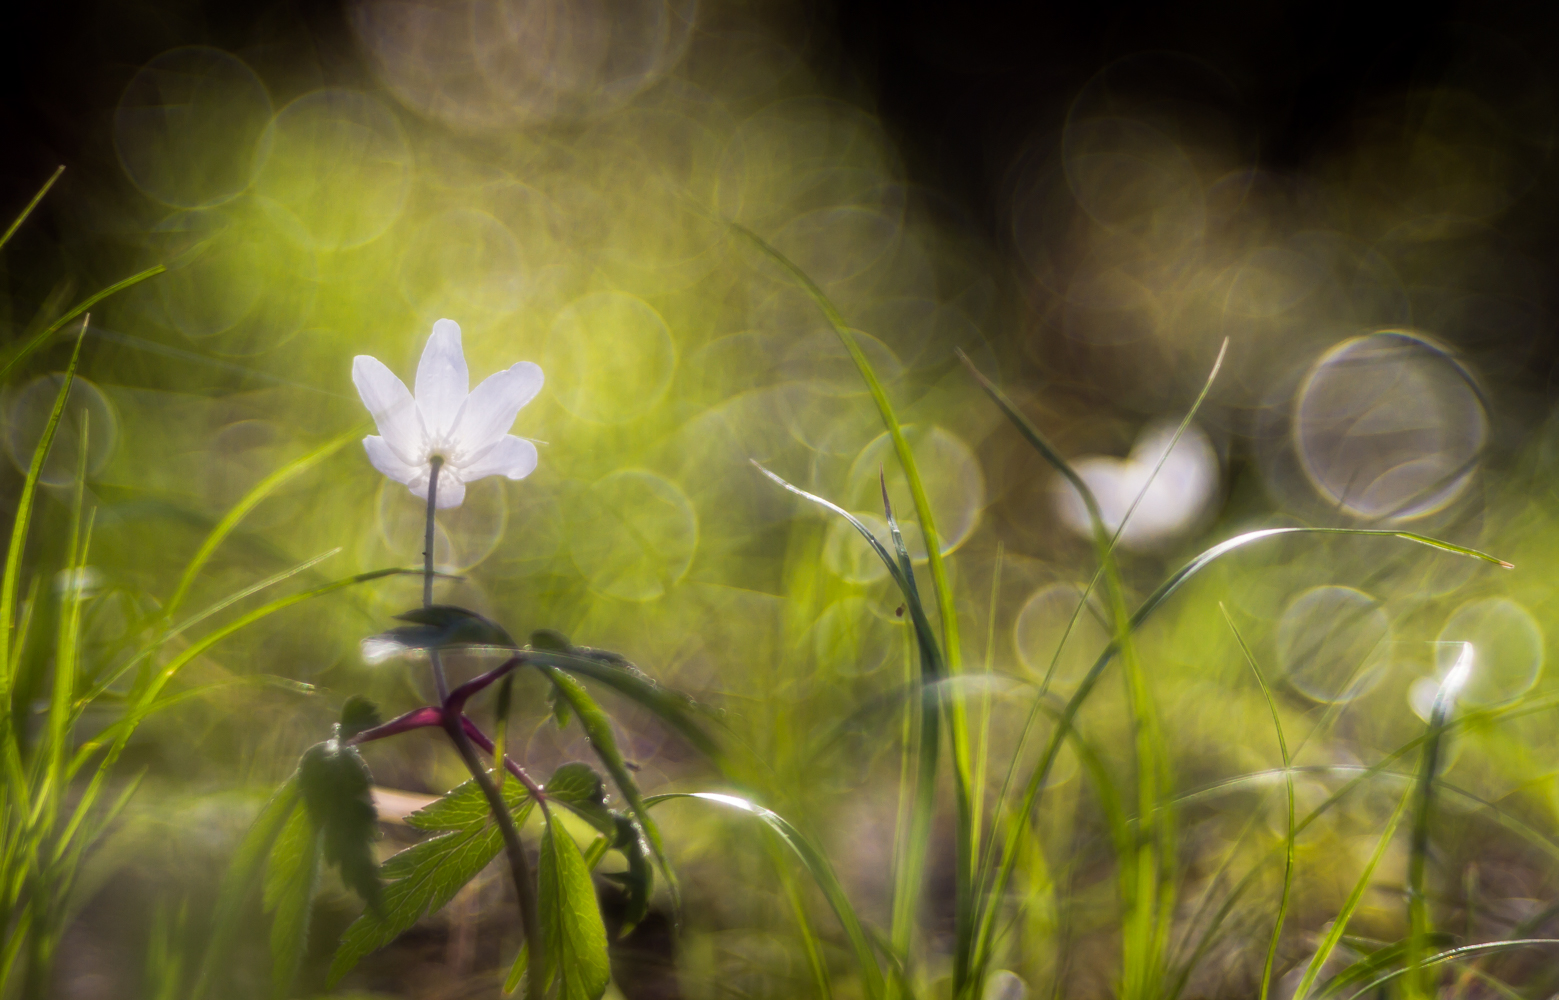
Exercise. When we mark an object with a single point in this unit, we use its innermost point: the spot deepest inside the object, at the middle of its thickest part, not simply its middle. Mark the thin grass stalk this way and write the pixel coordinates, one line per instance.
(17, 222)
(1334, 934)
(243, 507)
(1288, 782)
(19, 525)
(1419, 922)
(78, 309)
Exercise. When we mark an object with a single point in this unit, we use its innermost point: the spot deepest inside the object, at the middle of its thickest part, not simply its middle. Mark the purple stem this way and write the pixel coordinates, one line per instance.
(456, 701)
(419, 718)
(480, 739)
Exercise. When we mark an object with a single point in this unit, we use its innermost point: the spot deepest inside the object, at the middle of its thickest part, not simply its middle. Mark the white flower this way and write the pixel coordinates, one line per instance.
(467, 429)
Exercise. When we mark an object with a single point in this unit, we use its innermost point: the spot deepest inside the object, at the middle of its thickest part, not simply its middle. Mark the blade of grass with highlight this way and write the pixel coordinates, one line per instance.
(1037, 776)
(1455, 955)
(1419, 924)
(42, 337)
(967, 838)
(1334, 934)
(17, 223)
(1288, 782)
(19, 525)
(924, 750)
(922, 741)
(816, 865)
(242, 508)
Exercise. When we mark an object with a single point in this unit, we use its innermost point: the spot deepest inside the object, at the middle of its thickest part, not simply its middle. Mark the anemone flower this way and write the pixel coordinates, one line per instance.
(466, 429)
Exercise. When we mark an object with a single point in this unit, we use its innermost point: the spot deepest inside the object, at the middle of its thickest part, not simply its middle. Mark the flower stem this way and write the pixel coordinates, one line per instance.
(427, 574)
(453, 722)
(519, 867)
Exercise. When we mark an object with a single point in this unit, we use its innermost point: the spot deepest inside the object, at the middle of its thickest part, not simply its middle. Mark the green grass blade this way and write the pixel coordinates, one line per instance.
(242, 508)
(19, 525)
(1339, 927)
(1418, 904)
(598, 728)
(816, 865)
(17, 224)
(242, 876)
(141, 654)
(42, 337)
(1150, 874)
(1456, 955)
(1288, 781)
(145, 701)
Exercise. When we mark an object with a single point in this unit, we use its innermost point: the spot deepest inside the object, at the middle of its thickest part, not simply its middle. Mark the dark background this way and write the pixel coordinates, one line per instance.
(961, 86)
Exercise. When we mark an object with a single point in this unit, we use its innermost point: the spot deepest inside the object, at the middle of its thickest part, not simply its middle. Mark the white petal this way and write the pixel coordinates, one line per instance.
(442, 379)
(388, 462)
(489, 411)
(451, 490)
(391, 406)
(512, 456)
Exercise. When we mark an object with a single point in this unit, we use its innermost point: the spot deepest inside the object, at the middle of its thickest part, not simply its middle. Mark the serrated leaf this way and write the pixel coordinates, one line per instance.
(462, 806)
(421, 880)
(358, 715)
(291, 877)
(571, 924)
(599, 729)
(336, 789)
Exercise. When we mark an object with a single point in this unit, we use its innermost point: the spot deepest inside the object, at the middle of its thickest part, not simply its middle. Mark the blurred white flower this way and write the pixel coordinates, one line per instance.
(467, 428)
(1176, 497)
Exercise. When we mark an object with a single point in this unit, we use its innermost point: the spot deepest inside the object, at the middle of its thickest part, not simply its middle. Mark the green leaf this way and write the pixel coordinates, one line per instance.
(599, 729)
(291, 877)
(463, 806)
(639, 879)
(549, 641)
(675, 709)
(424, 877)
(571, 923)
(578, 786)
(441, 625)
(358, 715)
(575, 783)
(336, 789)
